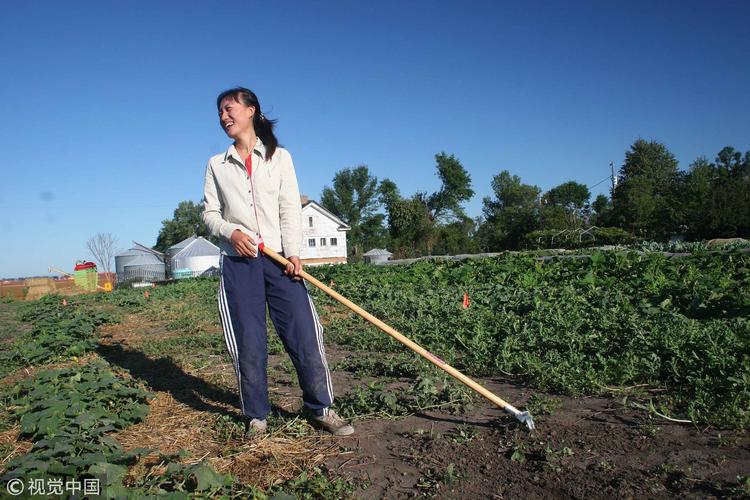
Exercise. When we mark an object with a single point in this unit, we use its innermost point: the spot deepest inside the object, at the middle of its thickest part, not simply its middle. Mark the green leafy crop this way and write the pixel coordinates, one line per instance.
(572, 325)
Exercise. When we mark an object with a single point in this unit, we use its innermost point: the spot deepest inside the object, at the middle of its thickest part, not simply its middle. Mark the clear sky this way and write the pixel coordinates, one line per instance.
(107, 109)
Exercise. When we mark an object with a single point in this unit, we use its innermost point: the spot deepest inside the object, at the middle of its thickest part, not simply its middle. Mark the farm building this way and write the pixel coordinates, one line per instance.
(377, 256)
(323, 235)
(140, 263)
(194, 256)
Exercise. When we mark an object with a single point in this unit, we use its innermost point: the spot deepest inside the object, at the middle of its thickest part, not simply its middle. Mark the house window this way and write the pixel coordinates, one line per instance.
(322, 242)
(334, 242)
(309, 221)
(311, 242)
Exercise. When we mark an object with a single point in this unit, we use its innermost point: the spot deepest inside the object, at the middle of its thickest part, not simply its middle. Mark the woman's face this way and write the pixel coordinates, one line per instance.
(235, 118)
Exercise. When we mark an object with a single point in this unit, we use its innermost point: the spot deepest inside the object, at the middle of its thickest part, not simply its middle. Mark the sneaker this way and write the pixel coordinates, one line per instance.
(332, 423)
(255, 427)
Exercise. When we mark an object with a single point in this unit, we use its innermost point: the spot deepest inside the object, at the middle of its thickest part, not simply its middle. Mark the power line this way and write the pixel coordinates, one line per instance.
(603, 180)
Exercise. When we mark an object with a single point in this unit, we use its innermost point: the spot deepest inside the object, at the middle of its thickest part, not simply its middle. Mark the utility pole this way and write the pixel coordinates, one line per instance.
(612, 173)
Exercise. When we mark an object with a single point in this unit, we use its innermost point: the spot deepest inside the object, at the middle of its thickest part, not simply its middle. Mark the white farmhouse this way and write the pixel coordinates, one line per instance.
(323, 235)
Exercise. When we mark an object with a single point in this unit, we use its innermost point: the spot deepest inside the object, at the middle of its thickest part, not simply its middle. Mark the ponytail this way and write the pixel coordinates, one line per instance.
(263, 126)
(264, 130)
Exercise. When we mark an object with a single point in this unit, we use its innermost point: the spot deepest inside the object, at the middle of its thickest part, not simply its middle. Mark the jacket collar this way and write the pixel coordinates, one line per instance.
(259, 149)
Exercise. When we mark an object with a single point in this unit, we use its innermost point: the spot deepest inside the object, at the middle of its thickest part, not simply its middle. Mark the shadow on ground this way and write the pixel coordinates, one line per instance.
(162, 374)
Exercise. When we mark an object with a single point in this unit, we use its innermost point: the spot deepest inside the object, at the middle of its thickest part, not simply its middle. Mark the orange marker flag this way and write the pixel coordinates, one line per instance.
(466, 300)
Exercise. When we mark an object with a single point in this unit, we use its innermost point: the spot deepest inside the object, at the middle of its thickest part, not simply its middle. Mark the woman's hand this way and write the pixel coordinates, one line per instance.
(244, 244)
(294, 267)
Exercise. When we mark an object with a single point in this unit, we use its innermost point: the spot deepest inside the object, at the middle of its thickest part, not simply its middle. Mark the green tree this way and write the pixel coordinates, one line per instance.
(565, 206)
(354, 198)
(409, 226)
(730, 209)
(186, 221)
(457, 237)
(643, 200)
(602, 209)
(733, 162)
(512, 213)
(416, 223)
(445, 204)
(388, 192)
(568, 194)
(716, 196)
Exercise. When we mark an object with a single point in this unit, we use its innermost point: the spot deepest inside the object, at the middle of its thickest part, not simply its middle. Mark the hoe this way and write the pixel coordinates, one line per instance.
(522, 416)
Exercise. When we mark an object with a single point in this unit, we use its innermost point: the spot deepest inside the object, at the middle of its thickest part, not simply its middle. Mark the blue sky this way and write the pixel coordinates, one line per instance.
(108, 112)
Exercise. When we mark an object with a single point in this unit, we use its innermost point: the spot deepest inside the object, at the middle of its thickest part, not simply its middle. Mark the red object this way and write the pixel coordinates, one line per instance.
(84, 265)
(249, 164)
(249, 168)
(466, 300)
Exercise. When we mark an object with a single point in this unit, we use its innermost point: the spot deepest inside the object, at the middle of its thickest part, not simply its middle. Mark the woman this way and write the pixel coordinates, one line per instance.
(251, 197)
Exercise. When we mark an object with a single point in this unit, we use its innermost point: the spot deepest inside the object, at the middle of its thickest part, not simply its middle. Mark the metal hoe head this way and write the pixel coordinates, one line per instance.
(525, 418)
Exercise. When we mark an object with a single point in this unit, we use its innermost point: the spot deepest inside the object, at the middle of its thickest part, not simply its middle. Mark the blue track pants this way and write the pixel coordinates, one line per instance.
(246, 286)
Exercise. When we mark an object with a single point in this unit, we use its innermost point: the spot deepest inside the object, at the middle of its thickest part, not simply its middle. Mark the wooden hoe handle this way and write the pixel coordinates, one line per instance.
(521, 416)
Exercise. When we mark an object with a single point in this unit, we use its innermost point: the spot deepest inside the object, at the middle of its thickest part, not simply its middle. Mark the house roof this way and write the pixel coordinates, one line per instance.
(376, 251)
(313, 204)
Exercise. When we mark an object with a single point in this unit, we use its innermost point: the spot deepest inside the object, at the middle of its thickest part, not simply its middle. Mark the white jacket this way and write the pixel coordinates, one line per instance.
(274, 212)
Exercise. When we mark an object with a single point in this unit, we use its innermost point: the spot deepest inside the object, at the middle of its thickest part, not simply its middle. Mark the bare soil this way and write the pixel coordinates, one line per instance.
(586, 448)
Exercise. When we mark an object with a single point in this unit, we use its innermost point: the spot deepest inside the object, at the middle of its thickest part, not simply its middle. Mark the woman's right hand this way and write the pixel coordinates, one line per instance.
(244, 244)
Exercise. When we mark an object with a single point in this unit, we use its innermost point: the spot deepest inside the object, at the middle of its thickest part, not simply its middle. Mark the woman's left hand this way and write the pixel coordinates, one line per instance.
(294, 267)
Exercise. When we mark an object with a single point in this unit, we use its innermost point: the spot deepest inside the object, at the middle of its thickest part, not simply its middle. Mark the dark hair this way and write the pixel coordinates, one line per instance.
(263, 126)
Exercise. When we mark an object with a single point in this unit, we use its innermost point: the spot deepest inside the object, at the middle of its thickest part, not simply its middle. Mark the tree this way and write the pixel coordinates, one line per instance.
(565, 206)
(354, 199)
(414, 223)
(643, 198)
(730, 208)
(186, 221)
(409, 226)
(513, 213)
(457, 238)
(103, 247)
(733, 162)
(445, 204)
(602, 211)
(568, 194)
(716, 196)
(388, 193)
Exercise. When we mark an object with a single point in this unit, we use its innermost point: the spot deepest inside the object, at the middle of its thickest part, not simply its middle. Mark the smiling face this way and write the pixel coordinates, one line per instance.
(235, 118)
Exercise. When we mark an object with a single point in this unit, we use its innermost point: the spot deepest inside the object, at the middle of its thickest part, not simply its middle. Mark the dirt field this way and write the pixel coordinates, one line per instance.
(582, 448)
(586, 447)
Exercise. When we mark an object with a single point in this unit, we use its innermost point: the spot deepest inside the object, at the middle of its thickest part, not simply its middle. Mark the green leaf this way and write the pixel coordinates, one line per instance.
(112, 472)
(85, 420)
(282, 495)
(207, 478)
